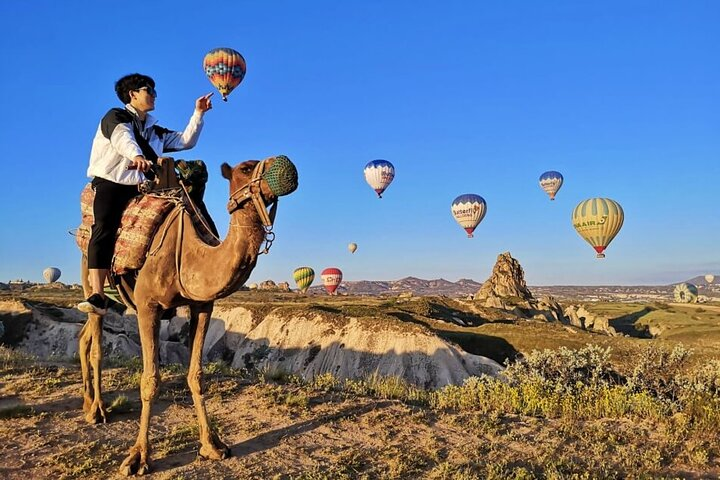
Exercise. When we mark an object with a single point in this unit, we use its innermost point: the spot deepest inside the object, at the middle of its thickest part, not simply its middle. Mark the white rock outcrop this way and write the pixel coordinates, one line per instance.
(312, 345)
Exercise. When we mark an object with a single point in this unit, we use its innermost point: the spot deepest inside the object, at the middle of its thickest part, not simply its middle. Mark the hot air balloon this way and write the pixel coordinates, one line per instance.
(685, 293)
(225, 68)
(551, 182)
(598, 221)
(379, 174)
(331, 278)
(352, 247)
(51, 274)
(469, 210)
(304, 277)
(709, 278)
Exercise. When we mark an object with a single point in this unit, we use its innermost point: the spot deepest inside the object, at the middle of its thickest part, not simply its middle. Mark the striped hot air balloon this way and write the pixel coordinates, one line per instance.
(598, 221)
(225, 68)
(304, 277)
(685, 293)
(551, 182)
(51, 274)
(379, 174)
(469, 210)
(331, 278)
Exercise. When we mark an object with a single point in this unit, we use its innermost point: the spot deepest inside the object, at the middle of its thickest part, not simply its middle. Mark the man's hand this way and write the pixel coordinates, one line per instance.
(140, 163)
(203, 104)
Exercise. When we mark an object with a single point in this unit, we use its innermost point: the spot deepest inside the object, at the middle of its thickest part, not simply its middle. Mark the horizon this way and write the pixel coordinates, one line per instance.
(318, 283)
(619, 97)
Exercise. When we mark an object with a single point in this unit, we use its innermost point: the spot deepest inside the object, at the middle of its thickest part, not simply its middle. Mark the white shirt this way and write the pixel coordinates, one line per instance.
(114, 145)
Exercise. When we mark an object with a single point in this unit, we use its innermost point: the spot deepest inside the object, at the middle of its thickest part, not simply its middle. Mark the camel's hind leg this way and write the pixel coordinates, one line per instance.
(90, 352)
(210, 444)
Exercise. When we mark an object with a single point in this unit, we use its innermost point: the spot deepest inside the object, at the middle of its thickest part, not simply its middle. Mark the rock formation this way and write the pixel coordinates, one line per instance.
(305, 344)
(506, 285)
(579, 317)
(349, 348)
(506, 290)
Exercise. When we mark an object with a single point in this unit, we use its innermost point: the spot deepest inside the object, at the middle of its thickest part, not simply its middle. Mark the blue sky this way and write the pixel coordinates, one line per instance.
(462, 97)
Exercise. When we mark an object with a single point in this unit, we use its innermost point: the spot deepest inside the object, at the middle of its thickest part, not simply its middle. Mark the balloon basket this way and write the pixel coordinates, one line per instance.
(600, 255)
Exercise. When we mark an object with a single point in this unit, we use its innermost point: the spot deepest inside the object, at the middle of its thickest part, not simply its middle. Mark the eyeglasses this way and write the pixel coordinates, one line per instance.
(150, 90)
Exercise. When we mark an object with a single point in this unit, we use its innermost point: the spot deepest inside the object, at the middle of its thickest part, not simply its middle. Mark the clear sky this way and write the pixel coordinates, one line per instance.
(622, 97)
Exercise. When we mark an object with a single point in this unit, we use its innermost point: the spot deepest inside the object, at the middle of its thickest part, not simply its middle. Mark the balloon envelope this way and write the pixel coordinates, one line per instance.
(352, 247)
(379, 174)
(51, 274)
(304, 277)
(598, 221)
(468, 210)
(709, 278)
(225, 68)
(331, 278)
(685, 293)
(551, 182)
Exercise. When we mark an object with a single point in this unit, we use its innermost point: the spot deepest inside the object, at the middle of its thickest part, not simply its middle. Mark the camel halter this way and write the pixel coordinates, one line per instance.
(252, 190)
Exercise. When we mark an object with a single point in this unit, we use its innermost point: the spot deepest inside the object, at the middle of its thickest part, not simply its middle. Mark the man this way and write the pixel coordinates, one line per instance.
(127, 143)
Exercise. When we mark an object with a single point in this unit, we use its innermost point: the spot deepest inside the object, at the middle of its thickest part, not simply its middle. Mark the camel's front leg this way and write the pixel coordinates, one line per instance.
(138, 459)
(84, 342)
(210, 444)
(90, 351)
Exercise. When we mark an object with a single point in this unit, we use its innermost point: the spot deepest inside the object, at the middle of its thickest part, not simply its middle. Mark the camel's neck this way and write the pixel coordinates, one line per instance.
(209, 273)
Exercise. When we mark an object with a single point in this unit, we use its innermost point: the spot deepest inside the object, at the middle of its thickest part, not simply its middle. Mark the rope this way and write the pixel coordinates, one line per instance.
(174, 214)
(178, 263)
(198, 214)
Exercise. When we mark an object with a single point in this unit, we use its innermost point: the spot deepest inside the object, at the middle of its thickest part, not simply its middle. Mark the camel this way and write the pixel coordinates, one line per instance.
(184, 270)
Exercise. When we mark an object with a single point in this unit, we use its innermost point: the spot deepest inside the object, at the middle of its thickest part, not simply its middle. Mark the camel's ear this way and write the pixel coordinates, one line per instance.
(226, 171)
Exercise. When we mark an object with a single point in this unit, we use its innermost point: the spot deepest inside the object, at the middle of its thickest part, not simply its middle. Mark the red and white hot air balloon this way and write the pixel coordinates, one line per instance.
(331, 278)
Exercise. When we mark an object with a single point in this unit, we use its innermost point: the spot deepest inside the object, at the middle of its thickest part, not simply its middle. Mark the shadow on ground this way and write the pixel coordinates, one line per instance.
(626, 324)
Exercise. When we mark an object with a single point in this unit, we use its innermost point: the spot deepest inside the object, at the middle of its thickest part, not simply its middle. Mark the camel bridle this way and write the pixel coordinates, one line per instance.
(252, 190)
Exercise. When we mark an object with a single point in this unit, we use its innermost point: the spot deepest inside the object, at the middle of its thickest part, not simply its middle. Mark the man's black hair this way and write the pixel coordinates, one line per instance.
(134, 81)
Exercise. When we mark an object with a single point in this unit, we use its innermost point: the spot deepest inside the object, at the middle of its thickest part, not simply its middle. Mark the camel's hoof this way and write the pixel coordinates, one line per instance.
(87, 403)
(96, 413)
(135, 463)
(216, 451)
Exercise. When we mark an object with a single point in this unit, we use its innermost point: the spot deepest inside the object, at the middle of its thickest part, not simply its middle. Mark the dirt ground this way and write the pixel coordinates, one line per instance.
(288, 431)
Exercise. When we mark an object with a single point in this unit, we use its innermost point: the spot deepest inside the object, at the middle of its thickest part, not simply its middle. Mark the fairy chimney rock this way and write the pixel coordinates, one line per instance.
(507, 282)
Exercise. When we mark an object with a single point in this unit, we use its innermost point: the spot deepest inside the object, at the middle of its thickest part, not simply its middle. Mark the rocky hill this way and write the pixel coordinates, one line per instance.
(300, 340)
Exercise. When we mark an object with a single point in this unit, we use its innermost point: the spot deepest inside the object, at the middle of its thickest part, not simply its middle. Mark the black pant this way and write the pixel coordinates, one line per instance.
(110, 201)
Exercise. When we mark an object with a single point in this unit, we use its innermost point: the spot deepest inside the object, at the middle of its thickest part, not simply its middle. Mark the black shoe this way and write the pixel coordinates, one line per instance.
(117, 307)
(94, 304)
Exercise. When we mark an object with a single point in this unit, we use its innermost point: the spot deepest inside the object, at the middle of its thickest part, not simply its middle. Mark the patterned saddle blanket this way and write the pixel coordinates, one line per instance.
(140, 221)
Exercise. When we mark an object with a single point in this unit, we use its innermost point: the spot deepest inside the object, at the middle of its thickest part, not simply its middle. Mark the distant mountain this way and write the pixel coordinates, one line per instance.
(700, 280)
(417, 286)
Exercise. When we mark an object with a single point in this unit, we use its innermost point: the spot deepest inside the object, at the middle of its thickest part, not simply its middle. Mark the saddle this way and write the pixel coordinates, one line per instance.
(146, 212)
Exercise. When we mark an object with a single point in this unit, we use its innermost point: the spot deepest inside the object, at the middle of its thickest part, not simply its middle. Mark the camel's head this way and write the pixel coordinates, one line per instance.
(277, 176)
(262, 181)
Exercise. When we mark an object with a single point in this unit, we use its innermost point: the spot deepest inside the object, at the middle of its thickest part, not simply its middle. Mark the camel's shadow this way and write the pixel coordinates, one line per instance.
(268, 440)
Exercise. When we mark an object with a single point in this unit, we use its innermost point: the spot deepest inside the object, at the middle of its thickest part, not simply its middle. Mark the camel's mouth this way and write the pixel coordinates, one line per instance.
(282, 176)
